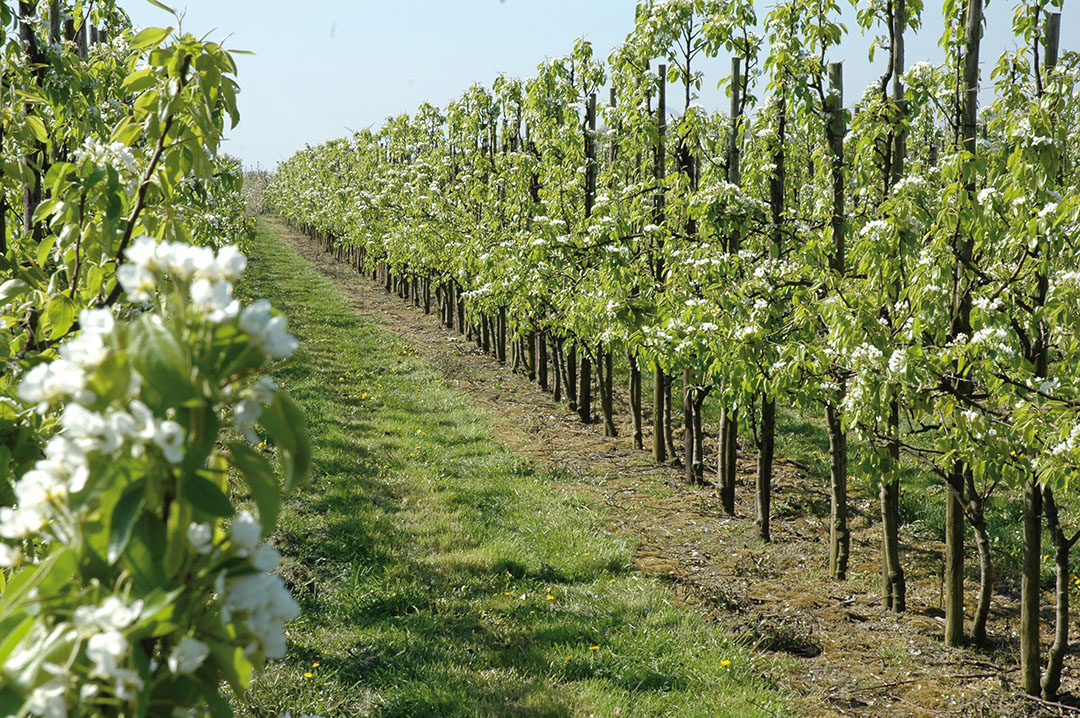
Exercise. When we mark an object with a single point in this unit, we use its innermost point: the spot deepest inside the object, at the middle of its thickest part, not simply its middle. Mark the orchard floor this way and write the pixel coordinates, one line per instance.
(824, 647)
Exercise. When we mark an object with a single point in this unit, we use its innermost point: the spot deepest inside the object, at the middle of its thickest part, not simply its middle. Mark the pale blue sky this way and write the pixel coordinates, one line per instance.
(323, 67)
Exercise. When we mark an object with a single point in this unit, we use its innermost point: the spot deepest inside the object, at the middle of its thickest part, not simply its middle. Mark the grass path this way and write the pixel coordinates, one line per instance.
(441, 574)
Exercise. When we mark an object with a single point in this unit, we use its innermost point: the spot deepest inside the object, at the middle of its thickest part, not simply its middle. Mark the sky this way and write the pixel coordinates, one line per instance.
(324, 68)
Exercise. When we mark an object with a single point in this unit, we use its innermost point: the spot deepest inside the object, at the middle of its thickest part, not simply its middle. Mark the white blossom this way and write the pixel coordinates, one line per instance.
(200, 536)
(169, 437)
(246, 531)
(188, 655)
(138, 283)
(46, 383)
(268, 330)
(214, 299)
(47, 700)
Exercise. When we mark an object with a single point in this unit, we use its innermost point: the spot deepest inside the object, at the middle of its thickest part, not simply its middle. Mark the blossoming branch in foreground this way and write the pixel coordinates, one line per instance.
(119, 429)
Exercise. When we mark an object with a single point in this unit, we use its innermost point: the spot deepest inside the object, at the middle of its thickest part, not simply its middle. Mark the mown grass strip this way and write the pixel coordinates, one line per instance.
(441, 574)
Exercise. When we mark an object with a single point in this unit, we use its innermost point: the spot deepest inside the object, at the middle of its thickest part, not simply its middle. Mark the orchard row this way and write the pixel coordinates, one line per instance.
(907, 268)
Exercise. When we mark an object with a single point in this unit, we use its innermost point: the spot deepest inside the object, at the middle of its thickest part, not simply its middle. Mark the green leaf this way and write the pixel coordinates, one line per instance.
(160, 359)
(38, 128)
(285, 423)
(260, 478)
(139, 80)
(14, 629)
(232, 663)
(44, 248)
(163, 6)
(150, 37)
(204, 495)
(13, 288)
(123, 518)
(60, 314)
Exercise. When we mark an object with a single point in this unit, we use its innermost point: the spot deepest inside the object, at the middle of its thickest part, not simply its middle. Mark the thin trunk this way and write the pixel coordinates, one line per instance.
(669, 436)
(767, 438)
(635, 401)
(763, 497)
(1029, 590)
(501, 330)
(659, 447)
(839, 536)
(1029, 577)
(954, 513)
(977, 518)
(584, 406)
(607, 393)
(1062, 546)
(542, 361)
(699, 440)
(570, 360)
(688, 427)
(459, 304)
(557, 367)
(894, 585)
(530, 355)
(728, 455)
(661, 408)
(729, 420)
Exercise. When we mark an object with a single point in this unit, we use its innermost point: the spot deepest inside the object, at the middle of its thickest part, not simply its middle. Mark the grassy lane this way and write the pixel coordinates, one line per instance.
(441, 574)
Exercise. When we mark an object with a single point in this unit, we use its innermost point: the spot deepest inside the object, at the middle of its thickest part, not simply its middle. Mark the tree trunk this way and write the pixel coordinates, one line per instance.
(585, 391)
(1030, 588)
(541, 361)
(557, 366)
(1062, 546)
(954, 514)
(570, 360)
(729, 448)
(766, 446)
(894, 585)
(530, 354)
(839, 536)
(459, 304)
(635, 400)
(659, 447)
(500, 328)
(607, 391)
(688, 427)
(669, 436)
(699, 439)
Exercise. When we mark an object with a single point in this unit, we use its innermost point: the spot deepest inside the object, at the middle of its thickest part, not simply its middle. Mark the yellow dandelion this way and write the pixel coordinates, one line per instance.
(611, 581)
(725, 663)
(315, 664)
(594, 648)
(550, 597)
(308, 674)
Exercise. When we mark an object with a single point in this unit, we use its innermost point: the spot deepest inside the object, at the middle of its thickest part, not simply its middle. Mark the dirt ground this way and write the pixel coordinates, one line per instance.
(840, 653)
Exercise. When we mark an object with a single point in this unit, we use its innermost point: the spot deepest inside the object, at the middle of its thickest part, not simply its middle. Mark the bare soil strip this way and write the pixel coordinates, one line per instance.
(843, 654)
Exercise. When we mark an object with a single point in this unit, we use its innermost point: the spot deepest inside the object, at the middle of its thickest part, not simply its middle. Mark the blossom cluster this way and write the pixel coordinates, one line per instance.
(112, 426)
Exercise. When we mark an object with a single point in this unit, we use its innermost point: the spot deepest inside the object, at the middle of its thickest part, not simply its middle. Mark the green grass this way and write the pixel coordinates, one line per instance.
(442, 575)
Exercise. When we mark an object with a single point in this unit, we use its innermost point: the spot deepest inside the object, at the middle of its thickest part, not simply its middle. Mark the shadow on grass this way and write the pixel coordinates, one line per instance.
(444, 575)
